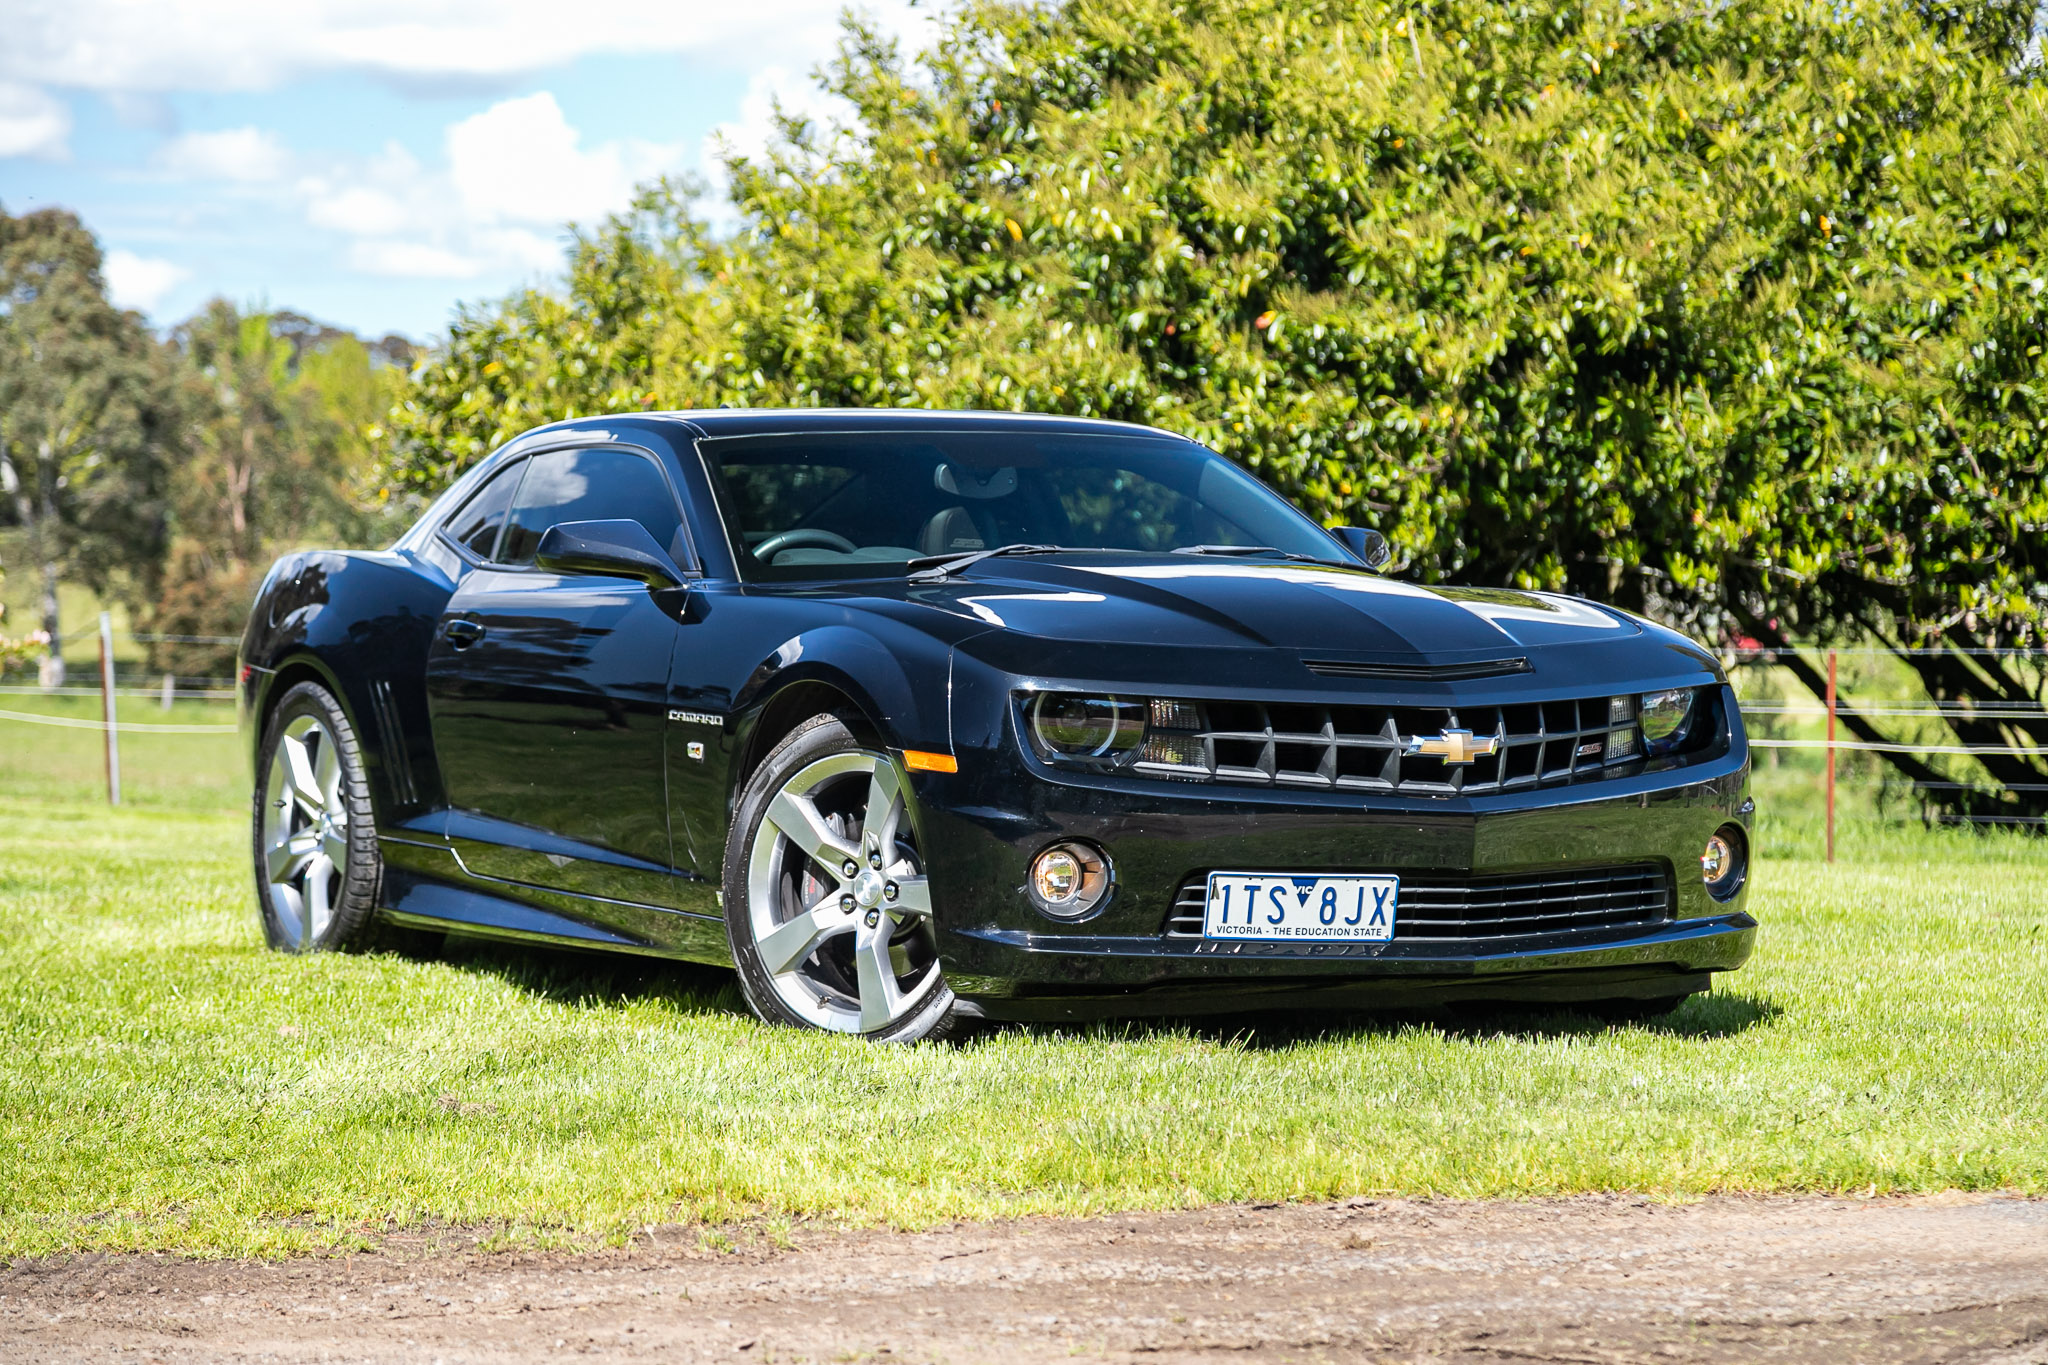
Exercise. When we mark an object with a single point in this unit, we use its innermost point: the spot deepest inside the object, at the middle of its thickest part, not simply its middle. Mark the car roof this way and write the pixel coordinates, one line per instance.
(718, 422)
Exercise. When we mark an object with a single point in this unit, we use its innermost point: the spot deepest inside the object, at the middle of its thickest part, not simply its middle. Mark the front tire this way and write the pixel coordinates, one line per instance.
(315, 840)
(827, 908)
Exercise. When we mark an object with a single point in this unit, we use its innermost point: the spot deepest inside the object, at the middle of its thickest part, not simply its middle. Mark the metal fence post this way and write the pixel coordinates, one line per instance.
(1831, 755)
(107, 708)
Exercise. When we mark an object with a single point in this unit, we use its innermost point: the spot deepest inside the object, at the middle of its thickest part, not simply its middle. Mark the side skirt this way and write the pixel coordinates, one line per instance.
(425, 888)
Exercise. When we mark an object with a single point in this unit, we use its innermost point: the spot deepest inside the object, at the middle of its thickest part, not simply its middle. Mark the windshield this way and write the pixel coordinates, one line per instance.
(839, 505)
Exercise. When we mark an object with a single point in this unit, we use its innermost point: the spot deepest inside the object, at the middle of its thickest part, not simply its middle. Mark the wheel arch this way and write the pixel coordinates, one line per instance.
(864, 674)
(289, 673)
(307, 666)
(787, 707)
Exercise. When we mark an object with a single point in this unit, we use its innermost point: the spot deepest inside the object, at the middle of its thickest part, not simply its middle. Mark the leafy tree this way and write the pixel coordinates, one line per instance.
(274, 456)
(86, 416)
(1731, 313)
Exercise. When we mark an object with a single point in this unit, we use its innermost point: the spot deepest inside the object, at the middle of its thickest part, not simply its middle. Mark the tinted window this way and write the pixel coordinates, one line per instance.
(588, 485)
(828, 505)
(476, 525)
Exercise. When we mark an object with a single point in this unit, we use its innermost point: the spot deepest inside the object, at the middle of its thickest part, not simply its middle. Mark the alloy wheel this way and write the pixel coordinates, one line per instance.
(837, 901)
(305, 832)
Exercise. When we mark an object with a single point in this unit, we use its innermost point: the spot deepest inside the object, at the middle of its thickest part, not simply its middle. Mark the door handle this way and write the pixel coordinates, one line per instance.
(463, 633)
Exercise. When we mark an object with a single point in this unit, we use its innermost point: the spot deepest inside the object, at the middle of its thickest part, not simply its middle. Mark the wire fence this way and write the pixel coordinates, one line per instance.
(167, 690)
(1833, 705)
(1768, 705)
(124, 726)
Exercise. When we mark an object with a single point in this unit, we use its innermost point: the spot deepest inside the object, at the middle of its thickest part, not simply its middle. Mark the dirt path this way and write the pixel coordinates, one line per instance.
(1597, 1280)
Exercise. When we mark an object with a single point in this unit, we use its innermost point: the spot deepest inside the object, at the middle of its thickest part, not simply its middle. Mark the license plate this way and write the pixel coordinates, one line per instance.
(1263, 905)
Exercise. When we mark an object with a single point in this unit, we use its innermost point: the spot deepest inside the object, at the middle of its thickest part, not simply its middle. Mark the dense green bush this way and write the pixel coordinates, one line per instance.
(1732, 313)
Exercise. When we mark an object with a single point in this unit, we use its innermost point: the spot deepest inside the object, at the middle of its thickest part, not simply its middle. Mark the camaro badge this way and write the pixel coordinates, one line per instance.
(1456, 747)
(697, 717)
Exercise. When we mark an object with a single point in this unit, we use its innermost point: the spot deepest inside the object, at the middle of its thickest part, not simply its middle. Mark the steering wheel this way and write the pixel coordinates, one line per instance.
(802, 535)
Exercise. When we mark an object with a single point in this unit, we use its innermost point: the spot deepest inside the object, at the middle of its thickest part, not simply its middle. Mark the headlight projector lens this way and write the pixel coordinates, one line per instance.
(1667, 719)
(1069, 881)
(1075, 726)
(1724, 862)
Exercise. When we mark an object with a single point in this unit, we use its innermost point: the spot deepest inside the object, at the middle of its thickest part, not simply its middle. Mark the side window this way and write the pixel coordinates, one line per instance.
(589, 485)
(475, 526)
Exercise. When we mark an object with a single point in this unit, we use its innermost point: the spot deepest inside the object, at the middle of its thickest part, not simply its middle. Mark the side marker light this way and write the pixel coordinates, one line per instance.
(922, 761)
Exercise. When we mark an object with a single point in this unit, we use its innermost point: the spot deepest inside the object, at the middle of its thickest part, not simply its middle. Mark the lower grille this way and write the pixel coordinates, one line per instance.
(1436, 905)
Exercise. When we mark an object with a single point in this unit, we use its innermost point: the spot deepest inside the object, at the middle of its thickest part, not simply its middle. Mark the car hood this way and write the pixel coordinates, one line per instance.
(1323, 611)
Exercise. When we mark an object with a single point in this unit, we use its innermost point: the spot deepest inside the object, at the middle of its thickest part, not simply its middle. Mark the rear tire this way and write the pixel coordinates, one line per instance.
(313, 834)
(827, 909)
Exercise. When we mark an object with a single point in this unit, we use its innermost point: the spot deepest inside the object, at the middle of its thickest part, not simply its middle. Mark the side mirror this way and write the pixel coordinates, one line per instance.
(1370, 547)
(613, 549)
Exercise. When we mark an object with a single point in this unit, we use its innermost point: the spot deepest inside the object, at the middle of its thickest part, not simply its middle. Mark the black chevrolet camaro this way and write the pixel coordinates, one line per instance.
(916, 717)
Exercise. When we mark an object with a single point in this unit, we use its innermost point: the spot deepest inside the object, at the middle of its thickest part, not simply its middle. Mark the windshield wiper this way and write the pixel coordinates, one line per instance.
(1250, 550)
(937, 568)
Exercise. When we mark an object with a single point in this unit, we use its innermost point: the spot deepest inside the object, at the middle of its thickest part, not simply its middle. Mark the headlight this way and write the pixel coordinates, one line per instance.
(1667, 719)
(1150, 735)
(1077, 726)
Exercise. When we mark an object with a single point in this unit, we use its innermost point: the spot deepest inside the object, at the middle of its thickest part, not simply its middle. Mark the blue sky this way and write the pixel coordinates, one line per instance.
(374, 163)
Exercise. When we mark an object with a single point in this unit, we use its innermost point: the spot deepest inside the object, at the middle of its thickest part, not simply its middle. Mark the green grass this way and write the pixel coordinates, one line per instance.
(186, 772)
(166, 1083)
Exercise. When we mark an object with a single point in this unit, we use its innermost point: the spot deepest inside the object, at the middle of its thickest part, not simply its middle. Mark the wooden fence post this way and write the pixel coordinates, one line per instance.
(1831, 755)
(107, 709)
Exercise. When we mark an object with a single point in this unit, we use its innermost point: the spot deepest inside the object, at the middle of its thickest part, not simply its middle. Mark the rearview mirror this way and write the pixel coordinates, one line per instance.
(614, 549)
(1368, 545)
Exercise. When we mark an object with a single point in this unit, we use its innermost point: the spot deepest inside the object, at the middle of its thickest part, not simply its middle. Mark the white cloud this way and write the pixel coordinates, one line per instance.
(772, 86)
(413, 260)
(223, 45)
(33, 123)
(520, 161)
(247, 155)
(358, 210)
(140, 282)
(513, 176)
(520, 247)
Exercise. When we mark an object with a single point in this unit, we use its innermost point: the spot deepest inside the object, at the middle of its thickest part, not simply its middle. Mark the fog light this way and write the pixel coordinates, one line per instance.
(1069, 881)
(1722, 862)
(1056, 876)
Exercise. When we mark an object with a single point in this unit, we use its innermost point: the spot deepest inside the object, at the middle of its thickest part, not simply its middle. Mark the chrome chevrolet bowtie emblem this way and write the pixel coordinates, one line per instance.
(1456, 747)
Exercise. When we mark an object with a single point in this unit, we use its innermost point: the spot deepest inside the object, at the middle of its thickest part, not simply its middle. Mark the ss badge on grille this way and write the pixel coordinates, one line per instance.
(1455, 747)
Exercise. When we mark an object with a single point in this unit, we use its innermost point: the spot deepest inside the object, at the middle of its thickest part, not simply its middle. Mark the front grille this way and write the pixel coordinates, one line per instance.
(1364, 748)
(1437, 905)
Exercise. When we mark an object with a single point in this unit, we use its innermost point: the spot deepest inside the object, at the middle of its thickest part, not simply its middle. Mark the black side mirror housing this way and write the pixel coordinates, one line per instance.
(613, 549)
(1368, 545)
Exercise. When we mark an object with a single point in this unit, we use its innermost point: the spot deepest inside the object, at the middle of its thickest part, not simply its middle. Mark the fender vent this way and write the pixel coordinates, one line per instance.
(391, 742)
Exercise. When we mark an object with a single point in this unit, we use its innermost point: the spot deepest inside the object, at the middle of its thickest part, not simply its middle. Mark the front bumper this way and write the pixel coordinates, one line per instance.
(981, 827)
